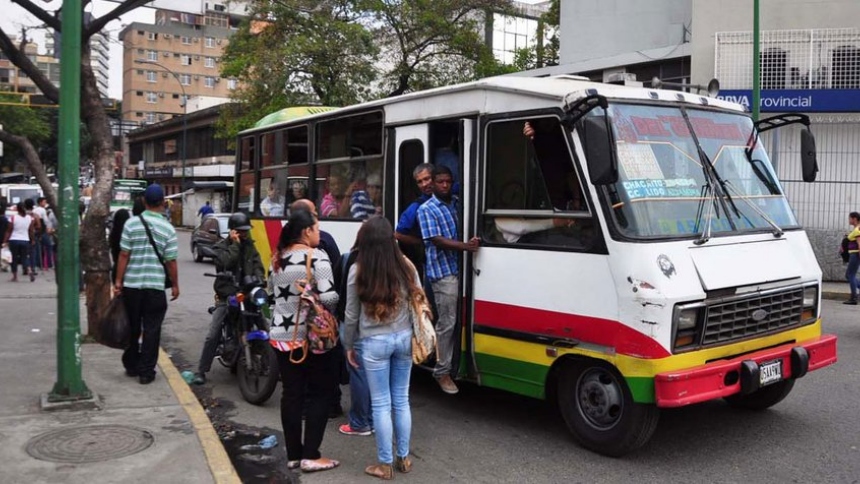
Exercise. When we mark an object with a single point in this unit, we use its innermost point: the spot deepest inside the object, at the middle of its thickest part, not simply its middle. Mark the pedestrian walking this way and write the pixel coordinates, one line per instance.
(38, 231)
(305, 374)
(380, 287)
(18, 238)
(146, 265)
(853, 256)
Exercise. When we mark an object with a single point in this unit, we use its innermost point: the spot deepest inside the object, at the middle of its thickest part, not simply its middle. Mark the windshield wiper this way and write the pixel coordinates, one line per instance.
(707, 196)
(777, 231)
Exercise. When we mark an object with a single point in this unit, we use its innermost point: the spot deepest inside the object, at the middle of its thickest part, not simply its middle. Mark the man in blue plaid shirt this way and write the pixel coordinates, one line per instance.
(438, 220)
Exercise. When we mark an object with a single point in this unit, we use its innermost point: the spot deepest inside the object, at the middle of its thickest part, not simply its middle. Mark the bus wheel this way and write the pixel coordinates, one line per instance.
(599, 410)
(763, 398)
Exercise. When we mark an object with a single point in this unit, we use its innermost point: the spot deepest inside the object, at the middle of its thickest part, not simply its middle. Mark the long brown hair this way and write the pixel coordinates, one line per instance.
(384, 275)
(291, 233)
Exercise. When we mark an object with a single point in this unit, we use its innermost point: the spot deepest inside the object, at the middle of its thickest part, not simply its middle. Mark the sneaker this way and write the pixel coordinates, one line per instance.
(447, 384)
(852, 302)
(199, 379)
(347, 430)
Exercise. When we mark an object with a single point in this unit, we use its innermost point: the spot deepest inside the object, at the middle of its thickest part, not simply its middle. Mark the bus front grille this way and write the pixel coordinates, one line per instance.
(755, 315)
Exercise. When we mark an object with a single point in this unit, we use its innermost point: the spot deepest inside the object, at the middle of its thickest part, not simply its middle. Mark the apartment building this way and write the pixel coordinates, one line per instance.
(177, 58)
(15, 80)
(99, 54)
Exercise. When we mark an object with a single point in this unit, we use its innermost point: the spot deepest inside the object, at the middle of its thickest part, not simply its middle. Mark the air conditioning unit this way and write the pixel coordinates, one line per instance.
(195, 40)
(167, 54)
(196, 78)
(218, 41)
(161, 94)
(196, 57)
(166, 36)
(164, 75)
(218, 60)
(217, 79)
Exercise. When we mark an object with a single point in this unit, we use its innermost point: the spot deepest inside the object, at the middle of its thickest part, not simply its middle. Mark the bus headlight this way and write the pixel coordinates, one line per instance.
(685, 322)
(810, 304)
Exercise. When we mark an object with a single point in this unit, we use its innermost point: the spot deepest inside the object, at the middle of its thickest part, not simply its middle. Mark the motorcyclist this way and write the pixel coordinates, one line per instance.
(235, 254)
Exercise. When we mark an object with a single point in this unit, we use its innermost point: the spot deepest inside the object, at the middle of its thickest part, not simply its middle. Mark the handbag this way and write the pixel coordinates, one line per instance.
(423, 333)
(168, 283)
(320, 323)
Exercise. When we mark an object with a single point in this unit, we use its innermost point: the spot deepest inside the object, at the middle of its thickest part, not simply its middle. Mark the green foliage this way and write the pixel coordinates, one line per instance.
(31, 123)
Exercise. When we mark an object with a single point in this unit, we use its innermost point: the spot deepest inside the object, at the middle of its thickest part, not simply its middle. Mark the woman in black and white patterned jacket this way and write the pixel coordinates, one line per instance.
(316, 377)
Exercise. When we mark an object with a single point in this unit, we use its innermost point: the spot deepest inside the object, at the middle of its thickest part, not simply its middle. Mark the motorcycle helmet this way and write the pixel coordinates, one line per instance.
(239, 221)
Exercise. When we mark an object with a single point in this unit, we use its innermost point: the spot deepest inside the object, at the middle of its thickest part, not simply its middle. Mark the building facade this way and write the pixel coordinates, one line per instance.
(178, 57)
(99, 54)
(14, 80)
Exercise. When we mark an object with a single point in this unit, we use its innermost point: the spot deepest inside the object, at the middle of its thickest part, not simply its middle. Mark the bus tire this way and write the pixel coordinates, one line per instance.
(599, 410)
(762, 398)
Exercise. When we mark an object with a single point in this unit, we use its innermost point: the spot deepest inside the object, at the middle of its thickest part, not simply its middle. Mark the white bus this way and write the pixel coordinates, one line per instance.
(668, 270)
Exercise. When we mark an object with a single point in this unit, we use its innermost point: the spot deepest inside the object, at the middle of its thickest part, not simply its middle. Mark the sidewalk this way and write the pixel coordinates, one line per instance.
(141, 433)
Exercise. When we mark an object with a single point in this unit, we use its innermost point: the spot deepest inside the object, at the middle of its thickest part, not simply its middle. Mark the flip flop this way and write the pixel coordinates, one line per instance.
(316, 465)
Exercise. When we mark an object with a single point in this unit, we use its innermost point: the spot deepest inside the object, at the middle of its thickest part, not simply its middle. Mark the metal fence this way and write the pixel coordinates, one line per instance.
(823, 205)
(790, 59)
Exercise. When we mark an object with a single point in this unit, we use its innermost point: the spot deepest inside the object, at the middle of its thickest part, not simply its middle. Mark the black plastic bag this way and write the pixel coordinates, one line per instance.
(115, 329)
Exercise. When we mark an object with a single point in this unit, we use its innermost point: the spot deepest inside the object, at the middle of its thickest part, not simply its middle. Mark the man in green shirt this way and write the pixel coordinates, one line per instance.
(148, 251)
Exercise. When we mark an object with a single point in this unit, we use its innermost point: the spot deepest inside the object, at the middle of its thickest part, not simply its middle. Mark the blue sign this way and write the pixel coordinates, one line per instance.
(798, 100)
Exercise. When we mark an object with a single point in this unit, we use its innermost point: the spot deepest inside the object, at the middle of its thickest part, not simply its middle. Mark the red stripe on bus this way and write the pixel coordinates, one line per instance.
(273, 231)
(604, 332)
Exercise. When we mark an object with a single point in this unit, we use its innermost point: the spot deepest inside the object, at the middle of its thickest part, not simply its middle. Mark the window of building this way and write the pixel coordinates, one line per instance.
(209, 42)
(186, 40)
(151, 76)
(232, 84)
(149, 118)
(139, 93)
(533, 194)
(152, 55)
(151, 97)
(138, 114)
(152, 36)
(185, 79)
(185, 60)
(140, 72)
(209, 62)
(175, 96)
(209, 82)
(846, 67)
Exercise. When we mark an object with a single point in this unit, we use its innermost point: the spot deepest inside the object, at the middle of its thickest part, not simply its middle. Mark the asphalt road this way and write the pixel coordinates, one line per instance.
(483, 435)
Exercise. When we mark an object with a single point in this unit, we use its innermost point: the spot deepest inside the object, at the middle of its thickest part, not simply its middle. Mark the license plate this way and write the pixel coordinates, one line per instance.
(770, 372)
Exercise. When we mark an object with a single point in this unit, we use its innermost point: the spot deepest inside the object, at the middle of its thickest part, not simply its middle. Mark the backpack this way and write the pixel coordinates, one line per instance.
(321, 324)
(423, 333)
(845, 247)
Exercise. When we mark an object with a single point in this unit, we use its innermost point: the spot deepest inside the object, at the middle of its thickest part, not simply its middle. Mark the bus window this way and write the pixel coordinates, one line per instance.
(295, 145)
(267, 150)
(273, 184)
(533, 194)
(246, 193)
(246, 154)
(353, 136)
(350, 190)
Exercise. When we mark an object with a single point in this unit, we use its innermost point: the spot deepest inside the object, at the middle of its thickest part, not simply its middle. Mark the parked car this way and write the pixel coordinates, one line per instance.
(211, 230)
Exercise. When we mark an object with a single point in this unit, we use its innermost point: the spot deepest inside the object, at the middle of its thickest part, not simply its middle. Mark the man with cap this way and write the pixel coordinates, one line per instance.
(235, 254)
(146, 265)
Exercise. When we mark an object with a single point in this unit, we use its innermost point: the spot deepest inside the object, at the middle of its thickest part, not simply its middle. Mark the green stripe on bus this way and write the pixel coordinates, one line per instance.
(528, 378)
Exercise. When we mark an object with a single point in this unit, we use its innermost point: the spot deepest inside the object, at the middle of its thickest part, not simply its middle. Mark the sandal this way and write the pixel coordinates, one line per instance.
(382, 471)
(293, 464)
(403, 464)
(316, 465)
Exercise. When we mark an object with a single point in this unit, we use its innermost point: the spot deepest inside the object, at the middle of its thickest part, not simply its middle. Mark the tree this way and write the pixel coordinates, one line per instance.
(432, 43)
(27, 130)
(93, 243)
(295, 52)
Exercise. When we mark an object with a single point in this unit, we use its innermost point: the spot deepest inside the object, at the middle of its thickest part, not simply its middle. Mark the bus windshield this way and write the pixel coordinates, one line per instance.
(662, 187)
(124, 192)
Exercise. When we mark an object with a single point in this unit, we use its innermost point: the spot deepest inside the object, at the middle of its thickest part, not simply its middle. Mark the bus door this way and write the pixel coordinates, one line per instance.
(411, 148)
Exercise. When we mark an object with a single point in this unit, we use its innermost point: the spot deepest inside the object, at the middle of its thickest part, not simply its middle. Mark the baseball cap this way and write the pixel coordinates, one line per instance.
(154, 195)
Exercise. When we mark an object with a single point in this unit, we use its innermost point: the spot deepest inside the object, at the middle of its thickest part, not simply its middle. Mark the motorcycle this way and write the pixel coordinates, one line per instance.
(244, 344)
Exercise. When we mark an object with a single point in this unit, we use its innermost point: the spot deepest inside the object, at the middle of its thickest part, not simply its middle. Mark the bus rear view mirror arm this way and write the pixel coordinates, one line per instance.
(808, 156)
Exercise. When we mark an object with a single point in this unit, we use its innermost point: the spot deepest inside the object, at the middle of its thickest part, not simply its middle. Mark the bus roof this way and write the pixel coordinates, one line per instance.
(560, 89)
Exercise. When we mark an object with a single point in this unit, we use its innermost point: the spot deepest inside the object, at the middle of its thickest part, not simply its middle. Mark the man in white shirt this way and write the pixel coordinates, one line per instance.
(46, 238)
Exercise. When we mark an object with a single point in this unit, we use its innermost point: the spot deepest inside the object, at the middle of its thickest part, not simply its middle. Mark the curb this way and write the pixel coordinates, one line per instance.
(222, 469)
(835, 295)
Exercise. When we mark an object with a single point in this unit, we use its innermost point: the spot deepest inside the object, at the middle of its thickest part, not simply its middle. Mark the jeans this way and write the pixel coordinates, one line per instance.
(445, 292)
(212, 338)
(387, 362)
(851, 273)
(146, 309)
(360, 415)
(20, 255)
(48, 259)
(314, 379)
(36, 254)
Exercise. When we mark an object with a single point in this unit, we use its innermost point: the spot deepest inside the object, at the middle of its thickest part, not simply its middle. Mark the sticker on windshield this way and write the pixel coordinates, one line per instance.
(639, 162)
(674, 188)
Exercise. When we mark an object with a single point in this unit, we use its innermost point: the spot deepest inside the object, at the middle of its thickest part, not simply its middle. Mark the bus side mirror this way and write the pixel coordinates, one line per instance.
(600, 151)
(808, 158)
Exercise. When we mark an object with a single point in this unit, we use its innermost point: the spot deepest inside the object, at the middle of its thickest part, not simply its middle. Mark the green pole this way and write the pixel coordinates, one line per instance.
(70, 384)
(756, 90)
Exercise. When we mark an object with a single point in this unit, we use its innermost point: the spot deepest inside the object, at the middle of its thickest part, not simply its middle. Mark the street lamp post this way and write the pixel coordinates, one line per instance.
(184, 105)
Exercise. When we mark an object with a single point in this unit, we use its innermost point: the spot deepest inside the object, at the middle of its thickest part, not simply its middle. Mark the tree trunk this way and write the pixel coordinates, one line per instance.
(94, 250)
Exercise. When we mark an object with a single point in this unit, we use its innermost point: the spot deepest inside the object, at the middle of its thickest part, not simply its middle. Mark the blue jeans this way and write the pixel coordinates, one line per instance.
(387, 361)
(360, 414)
(851, 274)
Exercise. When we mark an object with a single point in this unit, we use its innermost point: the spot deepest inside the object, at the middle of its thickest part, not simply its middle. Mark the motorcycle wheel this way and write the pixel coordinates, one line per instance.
(258, 383)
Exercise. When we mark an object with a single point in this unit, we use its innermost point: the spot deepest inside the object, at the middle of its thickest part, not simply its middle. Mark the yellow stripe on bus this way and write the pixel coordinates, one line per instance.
(631, 366)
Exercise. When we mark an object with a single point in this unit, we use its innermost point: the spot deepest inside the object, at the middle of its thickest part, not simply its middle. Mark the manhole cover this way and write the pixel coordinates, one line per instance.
(93, 443)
